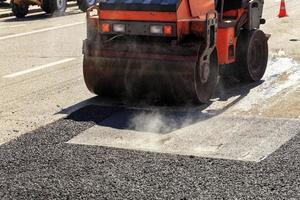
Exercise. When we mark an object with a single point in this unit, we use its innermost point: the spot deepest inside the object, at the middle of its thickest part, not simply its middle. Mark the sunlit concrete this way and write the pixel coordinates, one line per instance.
(247, 139)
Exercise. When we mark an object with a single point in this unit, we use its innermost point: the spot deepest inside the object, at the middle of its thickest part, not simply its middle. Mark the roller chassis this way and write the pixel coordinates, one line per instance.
(182, 70)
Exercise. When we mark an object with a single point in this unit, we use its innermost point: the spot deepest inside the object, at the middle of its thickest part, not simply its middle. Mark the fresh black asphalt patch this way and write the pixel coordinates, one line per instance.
(41, 165)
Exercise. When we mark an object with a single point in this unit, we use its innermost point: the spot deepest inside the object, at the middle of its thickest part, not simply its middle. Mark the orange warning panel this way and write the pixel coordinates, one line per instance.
(226, 44)
(138, 15)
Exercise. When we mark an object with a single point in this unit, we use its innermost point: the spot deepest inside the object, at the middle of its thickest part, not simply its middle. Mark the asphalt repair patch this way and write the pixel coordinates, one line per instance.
(41, 165)
(191, 133)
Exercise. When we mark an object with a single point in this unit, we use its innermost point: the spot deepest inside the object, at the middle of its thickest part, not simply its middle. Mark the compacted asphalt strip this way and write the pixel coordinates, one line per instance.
(40, 164)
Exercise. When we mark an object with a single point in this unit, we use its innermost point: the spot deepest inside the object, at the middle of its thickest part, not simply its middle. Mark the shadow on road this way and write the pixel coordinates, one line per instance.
(157, 119)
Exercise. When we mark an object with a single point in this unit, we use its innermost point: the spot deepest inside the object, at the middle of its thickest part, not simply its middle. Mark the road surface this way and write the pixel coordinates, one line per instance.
(59, 141)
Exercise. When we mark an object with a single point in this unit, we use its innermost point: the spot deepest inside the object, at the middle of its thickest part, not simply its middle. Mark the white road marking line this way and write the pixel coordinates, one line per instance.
(18, 25)
(38, 68)
(13, 26)
(40, 31)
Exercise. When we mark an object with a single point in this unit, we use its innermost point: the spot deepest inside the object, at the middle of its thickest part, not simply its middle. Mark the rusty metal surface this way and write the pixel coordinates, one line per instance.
(149, 80)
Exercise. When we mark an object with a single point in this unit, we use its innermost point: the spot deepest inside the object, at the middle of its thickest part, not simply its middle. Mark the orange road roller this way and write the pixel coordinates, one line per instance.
(172, 50)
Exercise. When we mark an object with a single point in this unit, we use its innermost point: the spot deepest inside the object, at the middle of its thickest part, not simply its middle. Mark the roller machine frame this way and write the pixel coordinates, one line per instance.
(172, 50)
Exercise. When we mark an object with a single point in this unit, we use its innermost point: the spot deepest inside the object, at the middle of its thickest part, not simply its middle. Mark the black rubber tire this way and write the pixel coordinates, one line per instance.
(252, 55)
(205, 91)
(46, 6)
(20, 11)
(85, 4)
(58, 7)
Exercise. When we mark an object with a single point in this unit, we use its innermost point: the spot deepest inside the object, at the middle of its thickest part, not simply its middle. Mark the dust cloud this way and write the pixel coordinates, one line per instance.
(161, 122)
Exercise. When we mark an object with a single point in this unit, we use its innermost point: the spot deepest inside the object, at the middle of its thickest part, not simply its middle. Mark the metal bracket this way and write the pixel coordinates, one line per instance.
(210, 37)
(255, 9)
(210, 40)
(92, 30)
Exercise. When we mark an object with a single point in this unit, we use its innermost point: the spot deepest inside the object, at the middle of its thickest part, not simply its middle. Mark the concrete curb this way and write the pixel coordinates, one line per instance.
(34, 10)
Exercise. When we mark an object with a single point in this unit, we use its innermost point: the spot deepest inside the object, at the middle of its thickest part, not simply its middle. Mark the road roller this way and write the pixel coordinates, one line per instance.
(172, 50)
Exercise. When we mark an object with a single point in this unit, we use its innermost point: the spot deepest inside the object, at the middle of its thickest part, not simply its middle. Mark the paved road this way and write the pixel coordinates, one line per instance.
(48, 55)
(59, 141)
(42, 165)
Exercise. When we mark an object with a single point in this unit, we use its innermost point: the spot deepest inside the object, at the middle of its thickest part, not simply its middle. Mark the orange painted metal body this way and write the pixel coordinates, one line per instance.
(189, 17)
(138, 16)
(225, 41)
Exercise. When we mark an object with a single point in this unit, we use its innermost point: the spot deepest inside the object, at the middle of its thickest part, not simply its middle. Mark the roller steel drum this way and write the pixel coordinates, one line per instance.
(152, 80)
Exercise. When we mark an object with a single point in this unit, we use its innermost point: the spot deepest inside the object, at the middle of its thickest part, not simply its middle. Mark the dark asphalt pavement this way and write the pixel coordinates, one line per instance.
(41, 165)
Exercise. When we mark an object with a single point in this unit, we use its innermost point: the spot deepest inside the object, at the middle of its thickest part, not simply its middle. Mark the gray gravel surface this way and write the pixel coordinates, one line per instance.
(41, 165)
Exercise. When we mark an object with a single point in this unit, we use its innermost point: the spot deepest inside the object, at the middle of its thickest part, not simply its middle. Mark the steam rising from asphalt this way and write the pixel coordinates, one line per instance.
(152, 122)
(162, 122)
